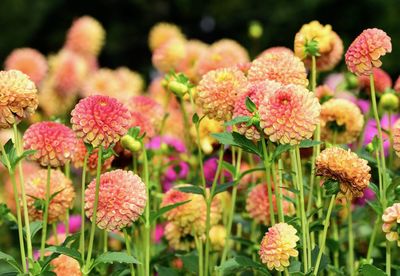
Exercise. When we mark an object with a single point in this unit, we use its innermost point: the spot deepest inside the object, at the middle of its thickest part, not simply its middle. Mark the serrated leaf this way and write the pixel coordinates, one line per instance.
(190, 262)
(70, 252)
(223, 187)
(224, 138)
(308, 143)
(115, 257)
(237, 120)
(55, 194)
(192, 190)
(370, 270)
(166, 271)
(229, 167)
(295, 266)
(250, 105)
(16, 159)
(34, 226)
(242, 263)
(245, 143)
(393, 185)
(155, 215)
(280, 149)
(376, 206)
(10, 260)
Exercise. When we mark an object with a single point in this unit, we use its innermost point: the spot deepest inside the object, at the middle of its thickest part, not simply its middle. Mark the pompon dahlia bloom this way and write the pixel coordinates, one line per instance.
(330, 46)
(100, 120)
(169, 55)
(366, 50)
(341, 121)
(278, 245)
(67, 71)
(102, 82)
(344, 166)
(279, 66)
(206, 128)
(257, 204)
(122, 198)
(130, 82)
(79, 157)
(163, 32)
(188, 65)
(148, 107)
(18, 97)
(190, 217)
(256, 92)
(86, 36)
(218, 237)
(223, 53)
(218, 91)
(382, 81)
(391, 221)
(64, 265)
(289, 115)
(29, 61)
(276, 49)
(36, 188)
(177, 238)
(54, 143)
(143, 122)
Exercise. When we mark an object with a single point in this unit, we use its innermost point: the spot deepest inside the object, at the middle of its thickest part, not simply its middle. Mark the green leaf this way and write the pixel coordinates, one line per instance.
(224, 138)
(15, 159)
(245, 143)
(155, 215)
(376, 206)
(191, 262)
(134, 132)
(295, 266)
(115, 257)
(243, 174)
(89, 148)
(392, 187)
(374, 188)
(192, 190)
(370, 270)
(55, 194)
(309, 143)
(250, 105)
(70, 252)
(34, 226)
(10, 260)
(332, 187)
(237, 120)
(223, 187)
(316, 226)
(280, 149)
(229, 167)
(166, 271)
(195, 118)
(324, 259)
(242, 263)
(6, 215)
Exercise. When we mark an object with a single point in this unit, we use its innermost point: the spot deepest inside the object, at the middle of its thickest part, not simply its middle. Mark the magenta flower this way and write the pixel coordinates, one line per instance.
(210, 168)
(369, 195)
(158, 233)
(74, 224)
(176, 144)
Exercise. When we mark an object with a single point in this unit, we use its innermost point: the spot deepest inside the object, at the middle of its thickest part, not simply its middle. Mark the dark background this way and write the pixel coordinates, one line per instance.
(42, 24)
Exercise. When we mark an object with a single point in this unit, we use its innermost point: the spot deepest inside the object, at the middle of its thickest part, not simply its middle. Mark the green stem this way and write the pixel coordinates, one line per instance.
(18, 209)
(335, 238)
(54, 227)
(304, 221)
(147, 210)
(372, 240)
(186, 123)
(199, 247)
(278, 189)
(208, 203)
(200, 153)
(324, 234)
(95, 204)
(391, 151)
(46, 214)
(388, 259)
(67, 171)
(232, 209)
(267, 167)
(350, 237)
(18, 146)
(83, 186)
(128, 250)
(105, 241)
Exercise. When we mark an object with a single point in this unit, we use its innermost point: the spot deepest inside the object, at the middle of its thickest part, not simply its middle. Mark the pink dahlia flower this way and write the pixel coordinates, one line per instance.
(218, 91)
(122, 199)
(29, 61)
(366, 50)
(391, 221)
(54, 143)
(290, 114)
(382, 81)
(100, 120)
(279, 66)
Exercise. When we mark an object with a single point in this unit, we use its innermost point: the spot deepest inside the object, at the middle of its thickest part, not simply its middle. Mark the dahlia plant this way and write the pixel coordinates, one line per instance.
(226, 164)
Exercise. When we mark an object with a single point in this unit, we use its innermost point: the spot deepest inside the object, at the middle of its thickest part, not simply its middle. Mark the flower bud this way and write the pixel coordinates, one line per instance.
(389, 102)
(178, 88)
(130, 143)
(369, 147)
(255, 30)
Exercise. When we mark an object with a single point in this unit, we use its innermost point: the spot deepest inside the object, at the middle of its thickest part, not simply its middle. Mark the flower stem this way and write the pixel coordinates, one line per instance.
(46, 214)
(105, 241)
(199, 246)
(351, 238)
(324, 234)
(232, 209)
(83, 186)
(267, 167)
(208, 203)
(388, 259)
(18, 209)
(68, 175)
(128, 250)
(372, 239)
(278, 189)
(200, 154)
(95, 204)
(18, 147)
(147, 226)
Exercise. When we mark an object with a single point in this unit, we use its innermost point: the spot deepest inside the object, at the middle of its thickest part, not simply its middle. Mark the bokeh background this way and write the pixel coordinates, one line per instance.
(42, 24)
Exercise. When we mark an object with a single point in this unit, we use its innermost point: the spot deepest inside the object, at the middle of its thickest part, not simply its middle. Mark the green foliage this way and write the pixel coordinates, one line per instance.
(155, 215)
(370, 270)
(241, 263)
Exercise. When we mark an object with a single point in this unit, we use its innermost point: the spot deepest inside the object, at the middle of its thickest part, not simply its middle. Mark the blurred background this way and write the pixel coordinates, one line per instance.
(43, 24)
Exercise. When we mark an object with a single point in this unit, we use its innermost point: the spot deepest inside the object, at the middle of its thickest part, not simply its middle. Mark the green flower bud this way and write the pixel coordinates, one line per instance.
(389, 102)
(369, 147)
(130, 143)
(255, 30)
(178, 88)
(352, 81)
